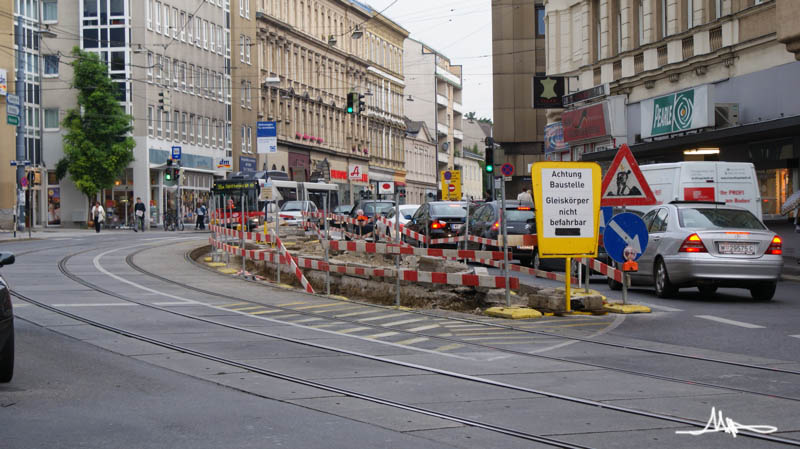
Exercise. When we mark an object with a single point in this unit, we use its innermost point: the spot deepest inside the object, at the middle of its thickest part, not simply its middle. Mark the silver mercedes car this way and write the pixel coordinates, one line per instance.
(708, 245)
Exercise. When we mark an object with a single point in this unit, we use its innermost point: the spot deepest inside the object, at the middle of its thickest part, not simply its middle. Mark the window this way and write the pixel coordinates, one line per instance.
(249, 139)
(148, 14)
(199, 126)
(206, 131)
(717, 8)
(183, 26)
(247, 49)
(220, 39)
(689, 14)
(51, 65)
(149, 67)
(189, 28)
(149, 120)
(50, 11)
(211, 37)
(191, 128)
(241, 8)
(212, 84)
(198, 30)
(206, 83)
(174, 23)
(166, 20)
(157, 11)
(176, 119)
(242, 93)
(244, 147)
(51, 119)
(220, 88)
(167, 126)
(249, 85)
(663, 11)
(175, 72)
(183, 76)
(213, 133)
(167, 65)
(205, 34)
(159, 65)
(247, 8)
(640, 20)
(241, 48)
(183, 126)
(191, 78)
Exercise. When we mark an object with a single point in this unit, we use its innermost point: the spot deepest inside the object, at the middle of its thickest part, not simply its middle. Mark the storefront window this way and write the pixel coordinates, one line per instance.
(53, 205)
(776, 185)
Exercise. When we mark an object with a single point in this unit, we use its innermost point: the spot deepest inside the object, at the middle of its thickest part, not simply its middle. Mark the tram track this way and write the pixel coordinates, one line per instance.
(512, 432)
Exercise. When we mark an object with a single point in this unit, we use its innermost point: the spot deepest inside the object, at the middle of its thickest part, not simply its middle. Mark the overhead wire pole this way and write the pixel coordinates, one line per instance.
(19, 90)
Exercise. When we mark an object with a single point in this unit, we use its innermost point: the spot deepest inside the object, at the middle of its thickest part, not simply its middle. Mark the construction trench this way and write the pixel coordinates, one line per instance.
(370, 276)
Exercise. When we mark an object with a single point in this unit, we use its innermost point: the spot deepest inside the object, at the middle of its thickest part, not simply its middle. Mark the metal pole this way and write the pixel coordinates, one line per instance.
(275, 245)
(28, 206)
(19, 90)
(244, 229)
(624, 288)
(466, 229)
(397, 241)
(587, 277)
(325, 245)
(505, 240)
(568, 283)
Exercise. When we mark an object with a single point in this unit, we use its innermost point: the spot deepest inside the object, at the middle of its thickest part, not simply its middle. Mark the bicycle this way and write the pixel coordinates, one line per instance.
(171, 223)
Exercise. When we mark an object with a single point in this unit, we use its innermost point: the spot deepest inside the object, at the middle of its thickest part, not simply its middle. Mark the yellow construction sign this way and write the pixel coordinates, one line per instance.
(451, 185)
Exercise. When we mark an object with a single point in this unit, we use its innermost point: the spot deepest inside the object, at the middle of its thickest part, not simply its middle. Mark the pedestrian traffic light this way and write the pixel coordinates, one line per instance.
(168, 174)
(351, 102)
(489, 161)
(361, 106)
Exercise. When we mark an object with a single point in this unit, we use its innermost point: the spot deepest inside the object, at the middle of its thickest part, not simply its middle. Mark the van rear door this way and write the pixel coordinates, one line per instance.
(737, 186)
(698, 181)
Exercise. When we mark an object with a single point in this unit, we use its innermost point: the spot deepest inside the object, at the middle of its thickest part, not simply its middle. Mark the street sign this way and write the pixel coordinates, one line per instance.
(507, 169)
(12, 109)
(267, 137)
(625, 230)
(23, 182)
(624, 184)
(507, 178)
(567, 201)
(386, 188)
(12, 120)
(15, 163)
(497, 182)
(451, 185)
(606, 212)
(12, 99)
(176, 153)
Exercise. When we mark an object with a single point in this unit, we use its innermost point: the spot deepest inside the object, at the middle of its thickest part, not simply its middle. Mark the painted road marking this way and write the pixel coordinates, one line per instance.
(381, 335)
(731, 322)
(296, 303)
(795, 336)
(235, 304)
(383, 317)
(262, 312)
(352, 329)
(247, 308)
(411, 341)
(97, 304)
(345, 315)
(398, 323)
(308, 320)
(318, 306)
(449, 347)
(423, 328)
(664, 308)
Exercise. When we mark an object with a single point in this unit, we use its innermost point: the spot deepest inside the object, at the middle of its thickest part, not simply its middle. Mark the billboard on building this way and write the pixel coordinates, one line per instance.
(554, 138)
(585, 123)
(678, 111)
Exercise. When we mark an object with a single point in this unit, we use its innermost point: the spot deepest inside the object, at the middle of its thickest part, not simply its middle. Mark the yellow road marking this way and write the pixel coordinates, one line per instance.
(383, 317)
(353, 329)
(397, 323)
(583, 324)
(262, 312)
(307, 320)
(297, 303)
(343, 315)
(381, 335)
(235, 304)
(496, 338)
(412, 341)
(283, 317)
(247, 308)
(319, 306)
(423, 328)
(449, 347)
(475, 334)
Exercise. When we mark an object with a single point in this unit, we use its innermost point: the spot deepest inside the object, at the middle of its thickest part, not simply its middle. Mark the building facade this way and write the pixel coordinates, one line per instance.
(683, 80)
(434, 95)
(171, 61)
(518, 54)
(8, 66)
(420, 160)
(246, 86)
(311, 54)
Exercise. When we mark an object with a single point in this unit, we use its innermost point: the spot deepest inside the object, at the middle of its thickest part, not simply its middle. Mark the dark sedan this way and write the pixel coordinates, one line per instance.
(369, 209)
(6, 325)
(485, 222)
(438, 220)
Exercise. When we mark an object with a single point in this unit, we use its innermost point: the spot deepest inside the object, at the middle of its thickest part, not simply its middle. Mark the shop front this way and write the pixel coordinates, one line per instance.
(299, 166)
(594, 128)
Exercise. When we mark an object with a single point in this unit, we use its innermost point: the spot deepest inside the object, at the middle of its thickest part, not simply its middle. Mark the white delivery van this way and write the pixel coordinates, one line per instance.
(733, 183)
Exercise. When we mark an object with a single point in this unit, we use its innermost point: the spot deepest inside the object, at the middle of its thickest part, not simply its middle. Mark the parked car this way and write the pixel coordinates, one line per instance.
(369, 208)
(292, 211)
(709, 245)
(343, 209)
(438, 219)
(6, 324)
(406, 212)
(520, 220)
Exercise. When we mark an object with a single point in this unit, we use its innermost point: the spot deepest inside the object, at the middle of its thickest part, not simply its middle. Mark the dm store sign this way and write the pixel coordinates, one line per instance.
(680, 111)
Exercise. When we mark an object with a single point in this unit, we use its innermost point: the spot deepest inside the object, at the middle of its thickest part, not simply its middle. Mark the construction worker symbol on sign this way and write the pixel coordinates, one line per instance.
(624, 186)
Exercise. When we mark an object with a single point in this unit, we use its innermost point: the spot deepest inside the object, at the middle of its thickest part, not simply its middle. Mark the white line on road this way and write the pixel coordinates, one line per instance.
(731, 322)
(96, 304)
(664, 308)
(795, 336)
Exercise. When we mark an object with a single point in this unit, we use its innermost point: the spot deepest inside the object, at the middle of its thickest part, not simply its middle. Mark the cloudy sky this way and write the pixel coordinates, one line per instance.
(459, 29)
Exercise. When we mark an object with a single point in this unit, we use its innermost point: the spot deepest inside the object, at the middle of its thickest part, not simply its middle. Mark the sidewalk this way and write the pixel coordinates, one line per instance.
(63, 233)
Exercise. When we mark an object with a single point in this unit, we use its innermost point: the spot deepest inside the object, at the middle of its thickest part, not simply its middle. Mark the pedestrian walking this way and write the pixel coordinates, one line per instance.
(525, 196)
(200, 212)
(98, 216)
(138, 211)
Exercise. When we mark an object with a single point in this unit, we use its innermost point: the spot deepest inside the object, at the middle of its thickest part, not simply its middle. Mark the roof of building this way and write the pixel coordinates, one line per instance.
(414, 128)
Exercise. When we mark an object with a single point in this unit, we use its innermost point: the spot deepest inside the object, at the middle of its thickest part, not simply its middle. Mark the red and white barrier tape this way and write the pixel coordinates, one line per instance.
(606, 270)
(384, 248)
(297, 272)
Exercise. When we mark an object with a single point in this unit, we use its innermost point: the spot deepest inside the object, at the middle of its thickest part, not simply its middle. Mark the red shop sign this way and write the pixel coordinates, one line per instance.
(584, 123)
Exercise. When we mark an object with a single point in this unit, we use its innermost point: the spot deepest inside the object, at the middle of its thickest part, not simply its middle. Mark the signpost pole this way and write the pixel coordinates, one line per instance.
(624, 288)
(397, 241)
(326, 246)
(19, 90)
(242, 207)
(466, 229)
(505, 240)
(278, 250)
(568, 273)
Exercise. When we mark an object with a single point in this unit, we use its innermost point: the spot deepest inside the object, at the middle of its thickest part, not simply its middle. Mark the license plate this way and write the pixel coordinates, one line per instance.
(748, 249)
(456, 227)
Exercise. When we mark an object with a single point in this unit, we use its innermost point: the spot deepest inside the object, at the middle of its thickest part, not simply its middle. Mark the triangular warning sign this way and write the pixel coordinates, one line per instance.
(624, 184)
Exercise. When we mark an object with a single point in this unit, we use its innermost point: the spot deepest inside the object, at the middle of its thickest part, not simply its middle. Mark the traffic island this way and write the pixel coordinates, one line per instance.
(553, 300)
(616, 307)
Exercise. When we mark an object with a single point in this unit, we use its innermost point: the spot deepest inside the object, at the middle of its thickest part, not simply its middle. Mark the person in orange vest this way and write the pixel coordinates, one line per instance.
(362, 220)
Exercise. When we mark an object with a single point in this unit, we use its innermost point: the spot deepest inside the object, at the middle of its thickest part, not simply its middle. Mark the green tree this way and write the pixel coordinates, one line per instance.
(97, 146)
(470, 116)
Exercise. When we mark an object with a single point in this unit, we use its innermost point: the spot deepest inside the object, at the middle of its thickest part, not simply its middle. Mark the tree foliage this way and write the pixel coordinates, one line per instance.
(97, 147)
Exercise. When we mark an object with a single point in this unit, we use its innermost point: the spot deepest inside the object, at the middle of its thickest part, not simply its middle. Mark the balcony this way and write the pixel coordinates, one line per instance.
(458, 107)
(442, 157)
(441, 100)
(442, 129)
(448, 77)
(458, 135)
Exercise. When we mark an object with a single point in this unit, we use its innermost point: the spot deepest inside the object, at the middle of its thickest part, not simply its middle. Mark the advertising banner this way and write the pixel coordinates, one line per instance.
(585, 123)
(554, 138)
(266, 137)
(679, 111)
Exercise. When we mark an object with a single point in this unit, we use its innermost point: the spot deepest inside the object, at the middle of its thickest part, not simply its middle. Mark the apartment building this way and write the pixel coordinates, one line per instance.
(434, 95)
(246, 86)
(8, 66)
(682, 80)
(518, 54)
(420, 159)
(171, 60)
(311, 54)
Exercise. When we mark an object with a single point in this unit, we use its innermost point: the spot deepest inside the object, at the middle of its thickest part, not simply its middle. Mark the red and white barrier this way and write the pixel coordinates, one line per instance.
(606, 270)
(391, 248)
(297, 272)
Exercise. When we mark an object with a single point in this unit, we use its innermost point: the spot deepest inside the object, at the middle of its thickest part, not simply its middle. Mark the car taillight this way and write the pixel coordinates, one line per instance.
(775, 247)
(693, 244)
(436, 224)
(496, 225)
(286, 216)
(523, 208)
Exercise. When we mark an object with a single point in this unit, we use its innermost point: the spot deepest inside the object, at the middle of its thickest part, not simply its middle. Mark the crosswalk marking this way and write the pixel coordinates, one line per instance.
(283, 317)
(382, 317)
(602, 323)
(345, 315)
(353, 329)
(412, 341)
(731, 322)
(262, 312)
(97, 304)
(423, 328)
(324, 326)
(449, 347)
(319, 306)
(398, 323)
(382, 335)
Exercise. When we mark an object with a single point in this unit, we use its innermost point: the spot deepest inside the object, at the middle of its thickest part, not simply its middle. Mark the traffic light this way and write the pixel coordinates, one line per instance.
(361, 106)
(168, 174)
(351, 102)
(164, 100)
(489, 155)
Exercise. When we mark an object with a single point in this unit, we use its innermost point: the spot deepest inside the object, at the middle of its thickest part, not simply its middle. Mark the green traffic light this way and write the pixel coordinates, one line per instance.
(168, 176)
(349, 110)
(489, 168)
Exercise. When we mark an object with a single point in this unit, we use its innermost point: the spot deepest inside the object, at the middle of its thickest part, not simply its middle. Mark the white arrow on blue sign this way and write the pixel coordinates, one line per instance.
(623, 230)
(176, 153)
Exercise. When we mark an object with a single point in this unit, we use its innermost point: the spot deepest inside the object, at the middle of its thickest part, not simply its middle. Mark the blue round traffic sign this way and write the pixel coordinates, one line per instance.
(448, 175)
(507, 169)
(622, 231)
